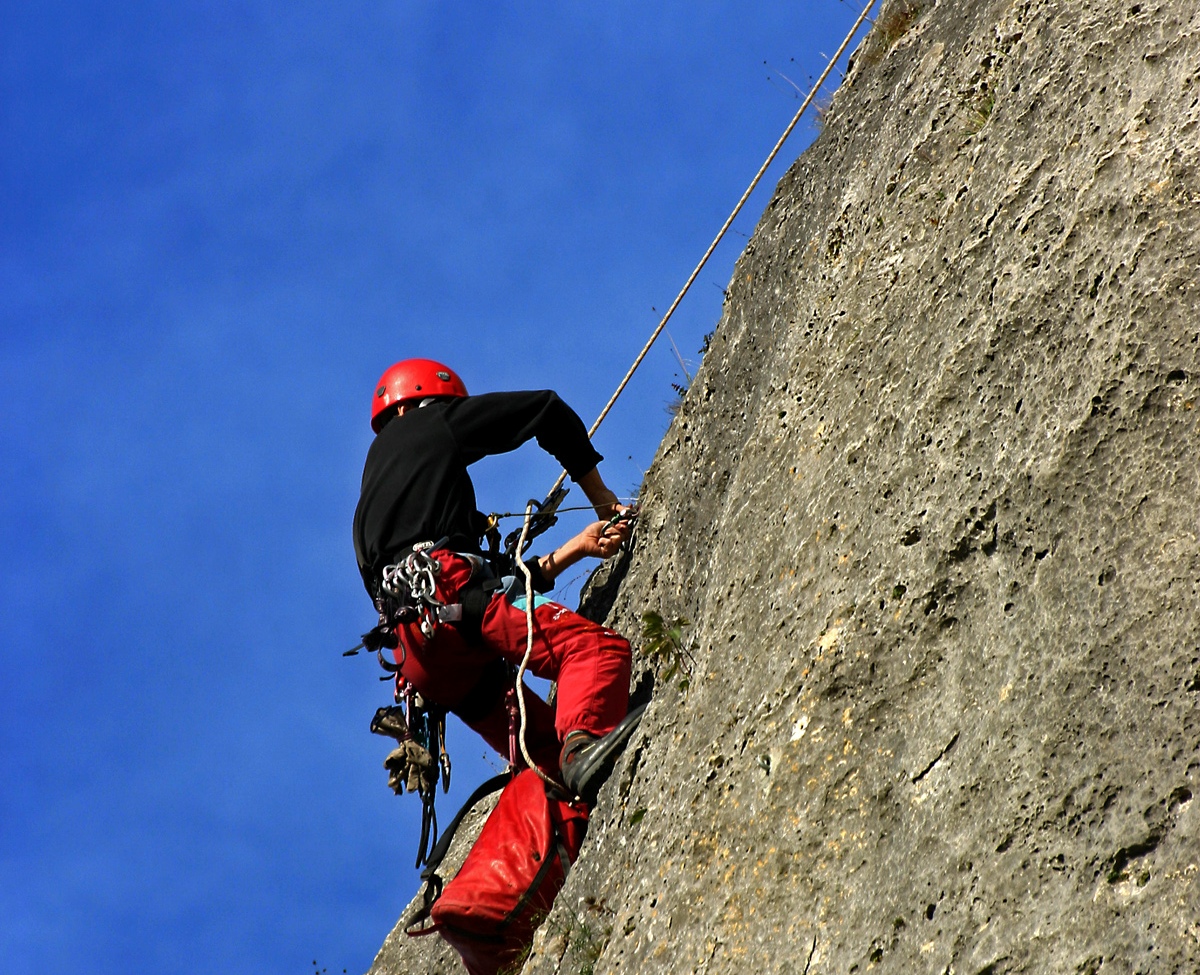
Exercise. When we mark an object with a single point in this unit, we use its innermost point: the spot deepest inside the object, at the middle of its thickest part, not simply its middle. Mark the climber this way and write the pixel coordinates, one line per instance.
(417, 496)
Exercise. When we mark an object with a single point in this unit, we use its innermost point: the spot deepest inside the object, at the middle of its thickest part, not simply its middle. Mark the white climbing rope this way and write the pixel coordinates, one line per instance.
(528, 650)
(721, 233)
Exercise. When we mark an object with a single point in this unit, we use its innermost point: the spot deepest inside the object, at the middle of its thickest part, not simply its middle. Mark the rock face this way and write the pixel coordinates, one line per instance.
(931, 507)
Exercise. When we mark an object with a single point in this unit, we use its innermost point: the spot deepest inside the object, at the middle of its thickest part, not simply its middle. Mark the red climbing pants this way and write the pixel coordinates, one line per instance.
(589, 662)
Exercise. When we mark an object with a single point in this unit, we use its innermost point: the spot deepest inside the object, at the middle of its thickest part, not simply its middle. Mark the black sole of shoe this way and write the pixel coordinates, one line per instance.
(595, 765)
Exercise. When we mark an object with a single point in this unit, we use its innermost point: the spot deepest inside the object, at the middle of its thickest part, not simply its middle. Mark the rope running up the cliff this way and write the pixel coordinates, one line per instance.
(529, 596)
(721, 233)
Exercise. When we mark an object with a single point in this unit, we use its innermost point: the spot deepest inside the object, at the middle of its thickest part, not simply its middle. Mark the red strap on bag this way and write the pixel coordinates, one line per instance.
(507, 884)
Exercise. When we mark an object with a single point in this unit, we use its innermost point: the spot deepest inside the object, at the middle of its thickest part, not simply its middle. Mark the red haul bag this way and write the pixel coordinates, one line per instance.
(507, 884)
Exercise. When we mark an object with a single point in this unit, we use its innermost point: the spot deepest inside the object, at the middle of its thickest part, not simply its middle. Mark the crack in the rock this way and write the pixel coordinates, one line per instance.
(937, 758)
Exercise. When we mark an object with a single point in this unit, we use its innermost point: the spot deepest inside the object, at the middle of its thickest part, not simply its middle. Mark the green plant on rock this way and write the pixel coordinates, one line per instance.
(664, 644)
(896, 20)
(515, 966)
(588, 947)
(584, 945)
(978, 111)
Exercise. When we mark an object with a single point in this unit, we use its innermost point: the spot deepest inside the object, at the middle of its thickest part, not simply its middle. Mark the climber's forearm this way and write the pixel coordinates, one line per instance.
(601, 540)
(598, 493)
(562, 558)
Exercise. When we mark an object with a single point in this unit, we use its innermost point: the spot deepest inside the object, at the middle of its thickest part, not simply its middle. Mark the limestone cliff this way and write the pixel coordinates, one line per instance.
(931, 507)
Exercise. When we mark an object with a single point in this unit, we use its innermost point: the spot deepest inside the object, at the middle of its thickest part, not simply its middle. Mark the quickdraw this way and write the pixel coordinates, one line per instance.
(542, 517)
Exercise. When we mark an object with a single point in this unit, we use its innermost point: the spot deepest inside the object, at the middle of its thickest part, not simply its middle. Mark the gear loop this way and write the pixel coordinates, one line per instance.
(412, 582)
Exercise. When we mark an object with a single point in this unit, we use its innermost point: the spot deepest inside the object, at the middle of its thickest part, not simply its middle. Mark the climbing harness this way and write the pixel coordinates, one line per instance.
(412, 583)
(408, 594)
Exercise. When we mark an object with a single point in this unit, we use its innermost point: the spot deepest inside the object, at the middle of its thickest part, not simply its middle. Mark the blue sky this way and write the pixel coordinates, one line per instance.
(220, 223)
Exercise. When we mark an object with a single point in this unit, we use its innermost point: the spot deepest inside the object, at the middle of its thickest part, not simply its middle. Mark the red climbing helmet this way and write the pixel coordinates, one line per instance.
(413, 379)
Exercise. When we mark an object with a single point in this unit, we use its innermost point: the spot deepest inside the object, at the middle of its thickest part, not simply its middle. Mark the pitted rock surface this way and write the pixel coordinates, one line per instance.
(932, 505)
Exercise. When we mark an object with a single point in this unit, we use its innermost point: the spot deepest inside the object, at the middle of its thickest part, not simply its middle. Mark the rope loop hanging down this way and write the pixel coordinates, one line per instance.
(517, 555)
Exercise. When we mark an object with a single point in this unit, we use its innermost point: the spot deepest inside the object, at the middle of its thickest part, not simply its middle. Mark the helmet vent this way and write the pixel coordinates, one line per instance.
(381, 390)
(444, 376)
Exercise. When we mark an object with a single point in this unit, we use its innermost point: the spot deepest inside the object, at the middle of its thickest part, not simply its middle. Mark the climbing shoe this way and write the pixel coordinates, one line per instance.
(587, 760)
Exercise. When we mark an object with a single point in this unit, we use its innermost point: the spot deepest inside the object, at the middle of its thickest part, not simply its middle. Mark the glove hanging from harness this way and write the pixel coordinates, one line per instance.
(420, 734)
(410, 766)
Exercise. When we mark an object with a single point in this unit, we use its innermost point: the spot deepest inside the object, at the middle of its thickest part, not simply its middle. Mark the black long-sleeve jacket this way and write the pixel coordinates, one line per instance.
(415, 485)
